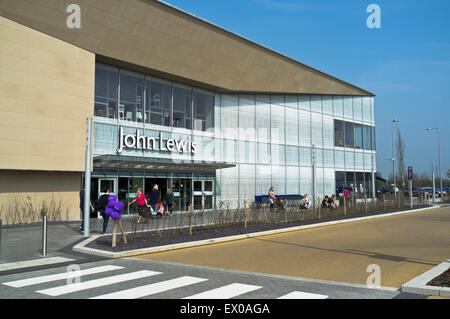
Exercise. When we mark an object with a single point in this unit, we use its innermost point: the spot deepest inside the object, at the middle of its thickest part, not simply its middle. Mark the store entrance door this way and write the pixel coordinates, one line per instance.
(203, 195)
(182, 193)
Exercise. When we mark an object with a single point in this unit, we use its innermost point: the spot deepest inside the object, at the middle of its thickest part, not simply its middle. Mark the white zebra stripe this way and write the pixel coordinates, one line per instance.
(152, 289)
(225, 292)
(62, 290)
(302, 295)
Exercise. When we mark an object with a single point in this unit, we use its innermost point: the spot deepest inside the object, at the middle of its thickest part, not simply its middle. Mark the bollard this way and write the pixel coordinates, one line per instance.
(318, 200)
(245, 214)
(44, 236)
(365, 202)
(190, 220)
(384, 204)
(345, 208)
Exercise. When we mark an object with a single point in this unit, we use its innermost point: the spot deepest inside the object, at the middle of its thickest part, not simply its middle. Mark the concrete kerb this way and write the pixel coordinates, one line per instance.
(418, 285)
(81, 247)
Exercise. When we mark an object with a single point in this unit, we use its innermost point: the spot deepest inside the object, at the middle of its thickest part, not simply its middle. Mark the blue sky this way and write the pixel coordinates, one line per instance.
(406, 63)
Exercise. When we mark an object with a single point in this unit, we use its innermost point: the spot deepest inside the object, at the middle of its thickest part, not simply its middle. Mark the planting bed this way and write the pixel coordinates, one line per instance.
(155, 238)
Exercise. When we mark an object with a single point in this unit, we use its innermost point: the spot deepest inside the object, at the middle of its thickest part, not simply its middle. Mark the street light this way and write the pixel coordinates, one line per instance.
(393, 159)
(439, 154)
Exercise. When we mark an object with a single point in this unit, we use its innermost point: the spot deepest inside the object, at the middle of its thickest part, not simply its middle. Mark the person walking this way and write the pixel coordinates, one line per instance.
(101, 206)
(272, 198)
(347, 196)
(168, 201)
(82, 209)
(154, 197)
(142, 206)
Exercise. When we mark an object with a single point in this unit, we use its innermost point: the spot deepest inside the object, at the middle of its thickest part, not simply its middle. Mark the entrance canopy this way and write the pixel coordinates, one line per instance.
(148, 163)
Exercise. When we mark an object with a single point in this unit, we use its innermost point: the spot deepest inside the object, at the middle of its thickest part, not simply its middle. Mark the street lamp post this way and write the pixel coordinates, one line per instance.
(439, 155)
(393, 159)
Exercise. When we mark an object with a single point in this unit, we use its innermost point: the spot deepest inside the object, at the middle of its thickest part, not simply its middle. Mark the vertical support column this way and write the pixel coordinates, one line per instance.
(410, 193)
(313, 190)
(87, 179)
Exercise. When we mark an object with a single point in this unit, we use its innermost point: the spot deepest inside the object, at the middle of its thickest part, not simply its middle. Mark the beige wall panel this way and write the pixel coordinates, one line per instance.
(168, 42)
(20, 189)
(46, 94)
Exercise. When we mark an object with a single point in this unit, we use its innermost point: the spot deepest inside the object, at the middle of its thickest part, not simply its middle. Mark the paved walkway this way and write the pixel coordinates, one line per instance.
(403, 246)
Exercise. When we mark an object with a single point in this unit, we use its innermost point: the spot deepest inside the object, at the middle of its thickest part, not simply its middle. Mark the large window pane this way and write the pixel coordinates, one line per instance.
(247, 130)
(131, 93)
(357, 108)
(106, 87)
(327, 104)
(316, 129)
(291, 126)
(305, 156)
(338, 106)
(304, 102)
(182, 107)
(328, 131)
(262, 118)
(158, 102)
(374, 145)
(292, 155)
(277, 124)
(229, 113)
(358, 137)
(348, 107)
(338, 133)
(316, 103)
(203, 111)
(304, 120)
(367, 137)
(348, 134)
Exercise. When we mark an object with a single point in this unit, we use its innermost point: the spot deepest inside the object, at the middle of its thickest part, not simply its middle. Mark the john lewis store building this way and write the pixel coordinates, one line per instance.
(185, 104)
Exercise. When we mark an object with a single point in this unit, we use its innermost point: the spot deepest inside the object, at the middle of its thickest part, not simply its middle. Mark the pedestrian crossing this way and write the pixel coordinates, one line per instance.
(119, 283)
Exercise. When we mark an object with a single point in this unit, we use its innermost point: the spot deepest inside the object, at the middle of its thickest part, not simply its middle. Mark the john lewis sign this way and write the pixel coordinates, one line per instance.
(148, 143)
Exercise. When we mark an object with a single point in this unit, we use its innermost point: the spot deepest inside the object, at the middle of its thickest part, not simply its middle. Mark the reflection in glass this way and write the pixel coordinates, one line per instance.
(157, 102)
(131, 91)
(181, 107)
(203, 111)
(348, 134)
(106, 85)
(358, 137)
(339, 133)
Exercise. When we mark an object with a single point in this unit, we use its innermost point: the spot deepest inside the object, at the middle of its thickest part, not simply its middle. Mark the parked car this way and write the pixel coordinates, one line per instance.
(387, 189)
(416, 191)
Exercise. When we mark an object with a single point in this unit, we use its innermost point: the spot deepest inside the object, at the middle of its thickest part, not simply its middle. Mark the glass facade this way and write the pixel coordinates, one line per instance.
(269, 138)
